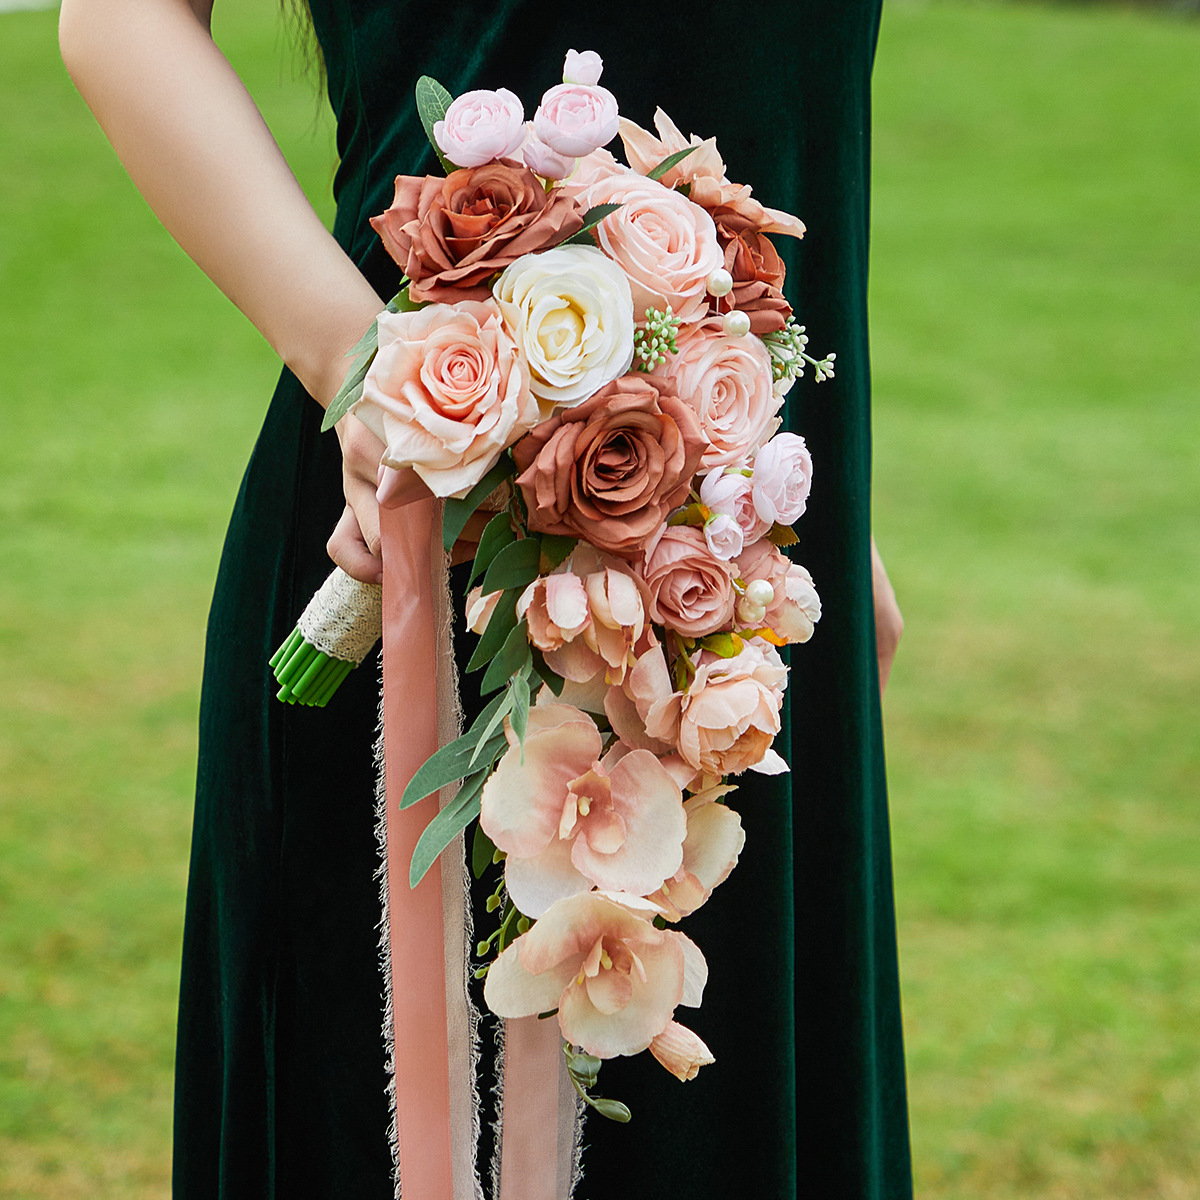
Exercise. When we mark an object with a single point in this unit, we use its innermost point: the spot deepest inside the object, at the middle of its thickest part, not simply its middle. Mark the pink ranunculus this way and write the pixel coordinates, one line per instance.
(481, 126)
(556, 608)
(447, 393)
(731, 492)
(782, 478)
(714, 841)
(681, 1051)
(723, 535)
(728, 716)
(615, 979)
(547, 163)
(727, 381)
(569, 820)
(691, 589)
(479, 609)
(575, 119)
(583, 66)
(664, 243)
(796, 607)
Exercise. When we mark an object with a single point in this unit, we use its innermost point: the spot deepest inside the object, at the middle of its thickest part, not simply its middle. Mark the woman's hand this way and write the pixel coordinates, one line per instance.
(354, 544)
(889, 624)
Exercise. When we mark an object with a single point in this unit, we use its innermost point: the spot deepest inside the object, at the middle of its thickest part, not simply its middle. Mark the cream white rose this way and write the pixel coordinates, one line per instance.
(570, 311)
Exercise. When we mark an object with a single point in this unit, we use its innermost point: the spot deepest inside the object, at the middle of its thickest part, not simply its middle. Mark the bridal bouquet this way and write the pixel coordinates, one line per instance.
(596, 353)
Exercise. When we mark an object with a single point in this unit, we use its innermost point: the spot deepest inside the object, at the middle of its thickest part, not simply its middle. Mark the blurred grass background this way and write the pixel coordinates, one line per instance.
(1036, 324)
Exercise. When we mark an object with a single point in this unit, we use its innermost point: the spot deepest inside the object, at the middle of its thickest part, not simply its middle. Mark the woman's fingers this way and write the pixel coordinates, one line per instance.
(889, 624)
(349, 550)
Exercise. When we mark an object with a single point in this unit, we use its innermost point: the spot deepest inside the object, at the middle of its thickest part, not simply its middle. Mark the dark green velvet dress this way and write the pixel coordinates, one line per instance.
(280, 1074)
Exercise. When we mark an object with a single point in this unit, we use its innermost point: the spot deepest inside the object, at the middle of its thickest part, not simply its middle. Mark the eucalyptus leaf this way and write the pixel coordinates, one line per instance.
(449, 763)
(499, 626)
(513, 655)
(482, 849)
(490, 728)
(519, 718)
(514, 566)
(446, 826)
(432, 102)
(555, 550)
(352, 386)
(591, 219)
(663, 167)
(457, 513)
(497, 534)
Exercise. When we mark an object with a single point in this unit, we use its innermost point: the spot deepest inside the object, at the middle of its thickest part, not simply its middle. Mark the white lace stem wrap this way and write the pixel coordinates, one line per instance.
(345, 617)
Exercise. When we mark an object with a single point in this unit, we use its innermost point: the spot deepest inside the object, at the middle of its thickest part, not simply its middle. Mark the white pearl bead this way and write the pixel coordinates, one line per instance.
(749, 613)
(737, 324)
(760, 591)
(720, 282)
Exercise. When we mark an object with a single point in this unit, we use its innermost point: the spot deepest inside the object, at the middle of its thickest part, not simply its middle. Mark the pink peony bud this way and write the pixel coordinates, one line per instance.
(575, 120)
(723, 535)
(543, 161)
(732, 493)
(782, 479)
(481, 126)
(583, 67)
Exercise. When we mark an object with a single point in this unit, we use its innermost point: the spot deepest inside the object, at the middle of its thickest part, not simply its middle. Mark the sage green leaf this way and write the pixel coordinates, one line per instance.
(555, 550)
(591, 219)
(446, 826)
(351, 390)
(457, 513)
(519, 717)
(514, 566)
(662, 168)
(489, 730)
(482, 849)
(513, 655)
(449, 763)
(432, 102)
(500, 625)
(497, 534)
(614, 1110)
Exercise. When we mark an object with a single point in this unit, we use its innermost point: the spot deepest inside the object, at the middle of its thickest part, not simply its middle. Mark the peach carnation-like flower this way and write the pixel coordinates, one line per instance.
(450, 236)
(796, 607)
(610, 469)
(664, 243)
(691, 589)
(726, 719)
(447, 393)
(727, 381)
(614, 978)
(568, 820)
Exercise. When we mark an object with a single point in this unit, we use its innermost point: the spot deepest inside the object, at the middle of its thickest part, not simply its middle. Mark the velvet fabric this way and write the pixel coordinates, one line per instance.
(280, 1083)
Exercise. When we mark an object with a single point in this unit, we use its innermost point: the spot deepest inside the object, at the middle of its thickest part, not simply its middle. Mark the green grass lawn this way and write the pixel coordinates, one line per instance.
(1036, 323)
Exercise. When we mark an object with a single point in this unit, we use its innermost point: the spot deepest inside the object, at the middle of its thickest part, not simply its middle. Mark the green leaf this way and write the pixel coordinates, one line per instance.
(432, 102)
(513, 655)
(591, 219)
(662, 168)
(457, 513)
(725, 645)
(351, 390)
(497, 534)
(614, 1110)
(782, 535)
(550, 678)
(514, 566)
(489, 730)
(482, 849)
(446, 765)
(519, 718)
(555, 550)
(504, 617)
(446, 826)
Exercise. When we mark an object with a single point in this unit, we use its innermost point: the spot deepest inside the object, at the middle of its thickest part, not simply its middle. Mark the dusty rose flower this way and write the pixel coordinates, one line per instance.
(574, 119)
(758, 272)
(612, 468)
(614, 978)
(664, 243)
(681, 1051)
(727, 381)
(583, 66)
(447, 393)
(796, 607)
(556, 608)
(450, 236)
(732, 492)
(479, 609)
(481, 126)
(714, 841)
(691, 590)
(725, 721)
(782, 479)
(569, 820)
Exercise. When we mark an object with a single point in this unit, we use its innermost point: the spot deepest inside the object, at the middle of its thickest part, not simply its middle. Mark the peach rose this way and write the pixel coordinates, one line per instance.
(796, 607)
(447, 393)
(611, 469)
(727, 381)
(664, 243)
(691, 590)
(614, 978)
(450, 236)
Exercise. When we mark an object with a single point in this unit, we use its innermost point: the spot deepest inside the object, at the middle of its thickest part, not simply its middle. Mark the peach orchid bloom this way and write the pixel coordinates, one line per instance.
(681, 1051)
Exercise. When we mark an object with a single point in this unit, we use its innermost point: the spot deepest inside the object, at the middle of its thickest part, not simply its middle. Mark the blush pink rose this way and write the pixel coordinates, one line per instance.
(664, 243)
(782, 479)
(614, 978)
(727, 381)
(447, 393)
(574, 119)
(481, 126)
(732, 492)
(796, 608)
(691, 589)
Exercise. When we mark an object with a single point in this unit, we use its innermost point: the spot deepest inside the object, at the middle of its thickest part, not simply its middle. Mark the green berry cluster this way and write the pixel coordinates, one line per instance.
(653, 342)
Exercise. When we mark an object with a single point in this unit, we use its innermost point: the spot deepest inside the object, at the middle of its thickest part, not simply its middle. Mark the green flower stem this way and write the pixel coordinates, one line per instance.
(282, 653)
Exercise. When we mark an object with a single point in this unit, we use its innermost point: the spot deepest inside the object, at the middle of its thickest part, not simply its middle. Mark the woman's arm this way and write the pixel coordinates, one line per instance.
(889, 624)
(197, 148)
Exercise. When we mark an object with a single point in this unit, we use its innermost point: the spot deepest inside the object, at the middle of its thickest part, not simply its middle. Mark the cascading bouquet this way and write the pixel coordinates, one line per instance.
(596, 353)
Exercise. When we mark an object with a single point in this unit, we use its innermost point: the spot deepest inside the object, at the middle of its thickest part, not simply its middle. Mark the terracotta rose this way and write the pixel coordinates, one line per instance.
(757, 270)
(452, 235)
(611, 469)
